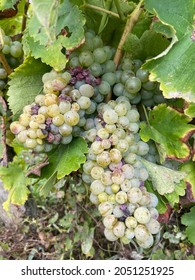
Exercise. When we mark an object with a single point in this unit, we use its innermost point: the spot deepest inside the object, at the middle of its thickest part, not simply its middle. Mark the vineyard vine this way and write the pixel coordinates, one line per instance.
(97, 139)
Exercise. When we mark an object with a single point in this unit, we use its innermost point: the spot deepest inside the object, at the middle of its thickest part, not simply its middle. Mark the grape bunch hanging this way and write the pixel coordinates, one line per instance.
(72, 104)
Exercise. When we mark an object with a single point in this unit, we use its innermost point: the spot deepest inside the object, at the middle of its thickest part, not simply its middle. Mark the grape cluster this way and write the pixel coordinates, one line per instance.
(133, 83)
(49, 120)
(116, 176)
(12, 50)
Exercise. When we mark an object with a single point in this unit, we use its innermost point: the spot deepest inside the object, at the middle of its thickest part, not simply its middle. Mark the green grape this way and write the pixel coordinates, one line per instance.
(127, 64)
(134, 195)
(94, 199)
(121, 197)
(30, 143)
(103, 197)
(149, 85)
(109, 51)
(96, 147)
(86, 90)
(106, 178)
(110, 78)
(32, 133)
(118, 89)
(74, 62)
(16, 50)
(97, 187)
(133, 85)
(7, 40)
(66, 139)
(95, 69)
(109, 66)
(100, 55)
(136, 99)
(97, 42)
(130, 222)
(71, 118)
(115, 155)
(109, 221)
(143, 75)
(84, 102)
(146, 243)
(64, 106)
(153, 226)
(159, 98)
(129, 233)
(86, 58)
(58, 120)
(65, 129)
(103, 133)
(50, 99)
(142, 215)
(128, 171)
(110, 116)
(3, 74)
(105, 208)
(145, 95)
(104, 88)
(141, 233)
(143, 148)
(97, 172)
(103, 159)
(127, 74)
(87, 166)
(2, 85)
(110, 235)
(137, 64)
(148, 102)
(22, 136)
(119, 229)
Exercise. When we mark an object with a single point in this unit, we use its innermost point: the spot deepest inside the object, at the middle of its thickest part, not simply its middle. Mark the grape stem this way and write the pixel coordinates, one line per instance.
(131, 21)
(101, 10)
(6, 66)
(146, 115)
(4, 159)
(120, 12)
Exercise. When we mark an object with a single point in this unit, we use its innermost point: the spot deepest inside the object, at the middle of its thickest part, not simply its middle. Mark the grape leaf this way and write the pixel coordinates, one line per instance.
(189, 169)
(25, 83)
(190, 110)
(179, 191)
(164, 180)
(188, 220)
(42, 24)
(177, 13)
(7, 4)
(57, 61)
(52, 29)
(150, 44)
(175, 75)
(63, 160)
(16, 183)
(170, 130)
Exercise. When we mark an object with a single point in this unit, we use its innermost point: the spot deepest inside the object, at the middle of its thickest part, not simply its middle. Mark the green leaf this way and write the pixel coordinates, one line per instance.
(166, 30)
(25, 84)
(188, 220)
(86, 245)
(164, 180)
(189, 169)
(42, 24)
(176, 76)
(7, 4)
(170, 130)
(52, 29)
(15, 181)
(190, 110)
(133, 46)
(177, 13)
(57, 61)
(174, 197)
(63, 160)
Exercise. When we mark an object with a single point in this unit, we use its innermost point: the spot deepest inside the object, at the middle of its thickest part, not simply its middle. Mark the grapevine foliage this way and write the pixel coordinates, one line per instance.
(97, 98)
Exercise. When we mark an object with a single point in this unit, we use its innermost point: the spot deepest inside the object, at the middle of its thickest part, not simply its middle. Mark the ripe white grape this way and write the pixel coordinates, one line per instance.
(153, 226)
(141, 233)
(97, 187)
(105, 208)
(109, 221)
(110, 235)
(119, 229)
(142, 215)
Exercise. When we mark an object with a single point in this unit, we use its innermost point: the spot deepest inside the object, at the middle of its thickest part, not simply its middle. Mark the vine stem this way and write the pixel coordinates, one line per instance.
(131, 21)
(25, 16)
(6, 66)
(101, 10)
